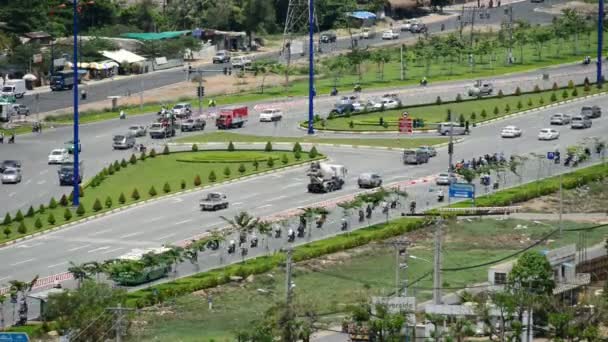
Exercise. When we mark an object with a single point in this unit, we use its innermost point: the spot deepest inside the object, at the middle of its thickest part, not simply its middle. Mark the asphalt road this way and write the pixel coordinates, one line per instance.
(100, 91)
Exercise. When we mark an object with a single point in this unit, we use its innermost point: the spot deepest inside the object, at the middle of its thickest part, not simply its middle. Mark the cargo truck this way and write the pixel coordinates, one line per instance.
(232, 117)
(14, 88)
(325, 177)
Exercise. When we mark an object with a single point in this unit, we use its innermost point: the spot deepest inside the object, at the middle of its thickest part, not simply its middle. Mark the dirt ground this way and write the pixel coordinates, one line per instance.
(591, 198)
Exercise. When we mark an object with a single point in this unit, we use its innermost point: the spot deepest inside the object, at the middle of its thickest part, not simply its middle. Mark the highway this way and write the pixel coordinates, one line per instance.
(100, 91)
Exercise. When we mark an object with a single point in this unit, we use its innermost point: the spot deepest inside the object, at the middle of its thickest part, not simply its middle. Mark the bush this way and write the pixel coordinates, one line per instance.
(565, 94)
(123, 163)
(152, 191)
(30, 212)
(230, 147)
(227, 172)
(67, 214)
(38, 223)
(212, 176)
(473, 116)
(22, 229)
(297, 155)
(111, 170)
(51, 219)
(351, 124)
(80, 191)
(517, 91)
(7, 219)
(555, 86)
(52, 203)
(18, 216)
(142, 156)
(194, 148)
(268, 147)
(496, 111)
(183, 184)
(108, 202)
(197, 180)
(166, 150)
(586, 81)
(122, 199)
(152, 153)
(536, 89)
(483, 114)
(530, 103)
(7, 231)
(541, 101)
(41, 209)
(438, 101)
(133, 159)
(500, 94)
(519, 105)
(313, 153)
(461, 120)
(284, 159)
(570, 84)
(553, 97)
(270, 162)
(574, 92)
(80, 210)
(242, 169)
(116, 166)
(297, 147)
(166, 188)
(135, 194)
(458, 98)
(507, 108)
(255, 164)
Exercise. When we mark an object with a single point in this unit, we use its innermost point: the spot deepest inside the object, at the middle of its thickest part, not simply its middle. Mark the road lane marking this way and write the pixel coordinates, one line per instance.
(182, 222)
(277, 198)
(292, 185)
(59, 264)
(236, 203)
(154, 219)
(100, 232)
(177, 200)
(99, 136)
(27, 182)
(112, 250)
(164, 237)
(22, 262)
(43, 172)
(264, 206)
(99, 249)
(129, 235)
(12, 194)
(41, 182)
(29, 246)
(7, 277)
(77, 248)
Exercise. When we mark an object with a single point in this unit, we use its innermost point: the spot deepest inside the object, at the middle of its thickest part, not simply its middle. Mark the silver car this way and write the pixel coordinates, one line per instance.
(445, 179)
(11, 176)
(369, 180)
(580, 121)
(138, 130)
(560, 119)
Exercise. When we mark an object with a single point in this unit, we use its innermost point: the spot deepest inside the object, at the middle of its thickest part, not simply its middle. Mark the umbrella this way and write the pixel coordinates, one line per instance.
(30, 77)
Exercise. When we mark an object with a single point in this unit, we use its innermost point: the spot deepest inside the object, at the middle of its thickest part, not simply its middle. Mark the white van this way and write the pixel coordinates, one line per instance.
(368, 33)
(14, 88)
(444, 128)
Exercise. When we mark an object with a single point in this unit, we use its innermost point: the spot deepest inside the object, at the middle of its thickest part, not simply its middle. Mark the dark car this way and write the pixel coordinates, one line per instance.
(328, 37)
(343, 109)
(418, 28)
(193, 125)
(10, 164)
(592, 112)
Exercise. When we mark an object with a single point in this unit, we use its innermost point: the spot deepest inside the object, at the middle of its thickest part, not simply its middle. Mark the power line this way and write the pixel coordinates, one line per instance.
(88, 326)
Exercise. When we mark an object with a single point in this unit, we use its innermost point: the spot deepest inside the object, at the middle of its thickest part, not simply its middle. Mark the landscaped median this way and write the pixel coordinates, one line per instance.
(474, 110)
(146, 177)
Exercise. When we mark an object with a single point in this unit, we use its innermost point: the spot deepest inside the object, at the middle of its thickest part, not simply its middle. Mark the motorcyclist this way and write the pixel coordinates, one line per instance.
(122, 115)
(231, 246)
(343, 224)
(254, 241)
(11, 140)
(368, 211)
(413, 207)
(440, 195)
(334, 91)
(291, 235)
(424, 81)
(557, 157)
(211, 103)
(361, 215)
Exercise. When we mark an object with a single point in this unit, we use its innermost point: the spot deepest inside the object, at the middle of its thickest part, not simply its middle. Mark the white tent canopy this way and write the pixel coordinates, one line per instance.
(123, 55)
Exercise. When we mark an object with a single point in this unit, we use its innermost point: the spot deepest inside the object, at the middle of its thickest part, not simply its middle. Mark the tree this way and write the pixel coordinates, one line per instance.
(166, 188)
(522, 37)
(51, 219)
(243, 223)
(21, 229)
(264, 68)
(30, 212)
(533, 273)
(182, 184)
(152, 153)
(313, 153)
(38, 223)
(230, 147)
(380, 57)
(268, 147)
(80, 210)
(212, 176)
(242, 169)
(284, 159)
(336, 67)
(121, 198)
(227, 172)
(123, 163)
(356, 57)
(270, 162)
(97, 205)
(67, 214)
(152, 192)
(7, 219)
(135, 194)
(7, 231)
(540, 36)
(197, 180)
(297, 147)
(108, 202)
(194, 148)
(297, 155)
(52, 203)
(79, 272)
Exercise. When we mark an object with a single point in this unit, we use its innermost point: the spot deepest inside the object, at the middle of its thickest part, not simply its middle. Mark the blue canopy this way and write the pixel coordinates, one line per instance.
(363, 15)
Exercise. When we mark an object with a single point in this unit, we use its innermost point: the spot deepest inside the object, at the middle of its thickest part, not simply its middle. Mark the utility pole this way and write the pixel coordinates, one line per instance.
(450, 150)
(510, 12)
(402, 69)
(473, 26)
(76, 139)
(400, 247)
(288, 292)
(119, 316)
(600, 39)
(141, 95)
(561, 205)
(437, 264)
(461, 22)
(311, 66)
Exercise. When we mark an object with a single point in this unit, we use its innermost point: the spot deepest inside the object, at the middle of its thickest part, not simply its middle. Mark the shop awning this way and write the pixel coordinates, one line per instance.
(363, 15)
(156, 35)
(123, 55)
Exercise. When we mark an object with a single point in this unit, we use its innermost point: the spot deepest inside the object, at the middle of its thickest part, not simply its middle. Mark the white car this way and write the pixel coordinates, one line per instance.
(59, 156)
(511, 132)
(390, 34)
(271, 114)
(360, 106)
(241, 62)
(388, 103)
(548, 134)
(407, 24)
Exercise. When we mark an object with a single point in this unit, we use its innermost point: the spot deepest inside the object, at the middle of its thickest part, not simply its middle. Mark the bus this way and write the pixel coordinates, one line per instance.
(64, 79)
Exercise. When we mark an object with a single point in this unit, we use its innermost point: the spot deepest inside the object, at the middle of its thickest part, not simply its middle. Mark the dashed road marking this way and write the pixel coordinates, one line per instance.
(112, 250)
(100, 232)
(264, 206)
(43, 172)
(99, 249)
(182, 222)
(41, 182)
(129, 235)
(23, 262)
(77, 248)
(59, 264)
(12, 194)
(164, 237)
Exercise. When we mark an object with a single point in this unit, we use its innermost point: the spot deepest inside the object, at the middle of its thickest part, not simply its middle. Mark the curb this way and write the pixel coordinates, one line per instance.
(151, 200)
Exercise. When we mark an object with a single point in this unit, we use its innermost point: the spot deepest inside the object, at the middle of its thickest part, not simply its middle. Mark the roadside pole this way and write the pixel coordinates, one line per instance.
(437, 300)
(141, 95)
(402, 70)
(288, 290)
(450, 151)
(600, 39)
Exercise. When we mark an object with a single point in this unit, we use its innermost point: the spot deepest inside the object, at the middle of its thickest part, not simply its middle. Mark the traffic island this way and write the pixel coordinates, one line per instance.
(146, 177)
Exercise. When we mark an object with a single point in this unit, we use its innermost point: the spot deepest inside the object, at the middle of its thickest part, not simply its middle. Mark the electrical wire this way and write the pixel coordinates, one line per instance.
(88, 326)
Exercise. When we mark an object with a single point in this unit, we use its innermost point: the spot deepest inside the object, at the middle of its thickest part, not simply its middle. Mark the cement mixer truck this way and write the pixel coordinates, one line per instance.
(325, 177)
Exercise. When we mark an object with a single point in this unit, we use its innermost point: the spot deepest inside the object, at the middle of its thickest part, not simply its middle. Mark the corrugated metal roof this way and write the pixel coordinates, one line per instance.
(156, 35)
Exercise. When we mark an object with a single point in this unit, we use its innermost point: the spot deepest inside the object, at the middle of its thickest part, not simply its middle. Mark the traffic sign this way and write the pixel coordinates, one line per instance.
(550, 155)
(405, 125)
(462, 190)
(14, 337)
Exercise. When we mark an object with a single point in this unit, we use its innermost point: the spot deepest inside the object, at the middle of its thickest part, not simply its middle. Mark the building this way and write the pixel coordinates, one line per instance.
(38, 37)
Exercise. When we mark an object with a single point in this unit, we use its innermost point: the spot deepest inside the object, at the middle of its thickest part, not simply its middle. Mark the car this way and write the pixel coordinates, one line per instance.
(387, 103)
(123, 141)
(548, 134)
(221, 56)
(411, 156)
(70, 146)
(241, 62)
(182, 110)
(369, 180)
(138, 130)
(444, 128)
(418, 28)
(407, 24)
(213, 201)
(271, 114)
(11, 176)
(342, 109)
(9, 164)
(368, 33)
(592, 112)
(445, 178)
(480, 88)
(59, 156)
(21, 109)
(390, 34)
(191, 125)
(360, 105)
(347, 99)
(511, 132)
(66, 173)
(580, 121)
(432, 152)
(560, 119)
(328, 37)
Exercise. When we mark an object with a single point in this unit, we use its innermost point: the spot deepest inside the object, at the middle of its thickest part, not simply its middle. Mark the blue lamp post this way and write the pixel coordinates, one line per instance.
(311, 70)
(76, 146)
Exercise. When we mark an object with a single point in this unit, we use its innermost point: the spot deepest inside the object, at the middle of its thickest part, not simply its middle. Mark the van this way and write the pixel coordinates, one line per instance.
(14, 88)
(444, 128)
(368, 33)
(123, 141)
(412, 156)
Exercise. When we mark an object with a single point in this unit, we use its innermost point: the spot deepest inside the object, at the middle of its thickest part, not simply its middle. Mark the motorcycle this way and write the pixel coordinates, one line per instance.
(413, 207)
(253, 243)
(291, 236)
(495, 186)
(231, 247)
(440, 196)
(277, 233)
(300, 231)
(344, 225)
(361, 215)
(122, 115)
(368, 212)
(424, 82)
(334, 92)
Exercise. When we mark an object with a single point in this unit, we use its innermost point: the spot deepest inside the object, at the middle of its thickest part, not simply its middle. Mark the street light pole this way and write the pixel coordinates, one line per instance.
(600, 39)
(76, 146)
(311, 71)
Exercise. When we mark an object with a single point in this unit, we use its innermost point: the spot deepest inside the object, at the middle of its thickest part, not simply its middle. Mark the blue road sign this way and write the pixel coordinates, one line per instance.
(462, 190)
(14, 337)
(550, 155)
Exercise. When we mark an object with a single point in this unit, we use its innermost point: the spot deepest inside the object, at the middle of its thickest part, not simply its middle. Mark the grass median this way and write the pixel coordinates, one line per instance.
(126, 182)
(472, 110)
(245, 138)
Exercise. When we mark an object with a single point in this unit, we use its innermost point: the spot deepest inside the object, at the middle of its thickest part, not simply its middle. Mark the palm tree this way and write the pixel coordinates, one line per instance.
(173, 256)
(461, 329)
(265, 230)
(243, 223)
(310, 212)
(191, 253)
(22, 288)
(79, 272)
(93, 268)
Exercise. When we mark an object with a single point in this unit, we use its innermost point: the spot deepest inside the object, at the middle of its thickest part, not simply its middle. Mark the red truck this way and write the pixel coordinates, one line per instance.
(232, 117)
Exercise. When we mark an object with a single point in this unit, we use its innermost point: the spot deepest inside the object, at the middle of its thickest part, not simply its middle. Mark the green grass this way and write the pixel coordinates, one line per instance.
(334, 285)
(228, 136)
(433, 113)
(153, 172)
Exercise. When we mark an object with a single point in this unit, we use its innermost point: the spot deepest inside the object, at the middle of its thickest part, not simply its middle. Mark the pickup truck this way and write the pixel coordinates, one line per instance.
(214, 201)
(159, 131)
(193, 125)
(242, 62)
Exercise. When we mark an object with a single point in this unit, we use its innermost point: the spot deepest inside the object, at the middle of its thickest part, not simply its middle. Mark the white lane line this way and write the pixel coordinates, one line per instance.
(99, 249)
(292, 185)
(277, 198)
(12, 194)
(43, 172)
(77, 248)
(59, 264)
(236, 203)
(153, 219)
(99, 136)
(41, 182)
(177, 200)
(100, 232)
(164, 237)
(129, 235)
(30, 246)
(112, 250)
(264, 206)
(182, 222)
(22, 262)
(27, 182)
(7, 277)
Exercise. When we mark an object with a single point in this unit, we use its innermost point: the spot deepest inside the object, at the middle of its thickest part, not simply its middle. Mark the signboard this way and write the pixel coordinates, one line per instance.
(59, 62)
(14, 337)
(462, 190)
(398, 305)
(37, 58)
(405, 125)
(550, 155)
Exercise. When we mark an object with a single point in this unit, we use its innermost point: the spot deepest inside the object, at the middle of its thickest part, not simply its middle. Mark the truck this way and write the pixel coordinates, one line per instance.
(14, 88)
(64, 79)
(213, 201)
(131, 269)
(232, 117)
(481, 88)
(325, 177)
(161, 130)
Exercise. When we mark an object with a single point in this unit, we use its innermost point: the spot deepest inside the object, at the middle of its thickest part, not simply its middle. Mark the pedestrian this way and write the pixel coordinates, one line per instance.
(210, 302)
(498, 3)
(1, 137)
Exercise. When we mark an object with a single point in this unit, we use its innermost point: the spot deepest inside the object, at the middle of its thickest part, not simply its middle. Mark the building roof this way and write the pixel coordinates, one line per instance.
(156, 35)
(123, 55)
(37, 35)
(363, 15)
